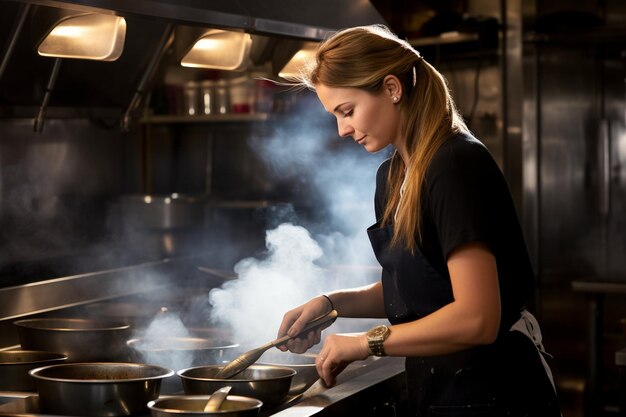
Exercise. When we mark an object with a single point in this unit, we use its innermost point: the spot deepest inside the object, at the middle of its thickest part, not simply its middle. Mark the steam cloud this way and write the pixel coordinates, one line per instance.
(251, 304)
(303, 262)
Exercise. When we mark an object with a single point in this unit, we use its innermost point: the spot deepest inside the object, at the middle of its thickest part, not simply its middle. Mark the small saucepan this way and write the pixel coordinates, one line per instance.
(267, 383)
(193, 406)
(15, 364)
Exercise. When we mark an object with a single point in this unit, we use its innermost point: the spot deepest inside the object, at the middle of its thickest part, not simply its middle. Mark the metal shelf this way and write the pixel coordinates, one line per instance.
(218, 118)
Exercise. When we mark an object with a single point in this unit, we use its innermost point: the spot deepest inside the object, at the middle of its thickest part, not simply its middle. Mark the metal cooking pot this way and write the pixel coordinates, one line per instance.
(303, 364)
(82, 340)
(15, 364)
(164, 225)
(268, 383)
(193, 406)
(98, 389)
(159, 212)
(181, 352)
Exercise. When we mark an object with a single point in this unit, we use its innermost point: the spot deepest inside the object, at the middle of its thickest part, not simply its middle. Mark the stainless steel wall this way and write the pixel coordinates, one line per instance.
(574, 151)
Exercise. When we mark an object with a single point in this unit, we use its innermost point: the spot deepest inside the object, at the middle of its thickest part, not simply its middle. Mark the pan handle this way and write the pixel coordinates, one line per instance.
(313, 324)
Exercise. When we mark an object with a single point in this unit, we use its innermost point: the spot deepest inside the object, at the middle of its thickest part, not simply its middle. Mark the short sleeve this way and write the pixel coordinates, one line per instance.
(464, 191)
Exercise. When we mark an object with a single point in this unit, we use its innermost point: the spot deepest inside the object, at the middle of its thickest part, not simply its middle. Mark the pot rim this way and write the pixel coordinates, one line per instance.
(165, 372)
(46, 356)
(290, 372)
(135, 343)
(153, 404)
(101, 325)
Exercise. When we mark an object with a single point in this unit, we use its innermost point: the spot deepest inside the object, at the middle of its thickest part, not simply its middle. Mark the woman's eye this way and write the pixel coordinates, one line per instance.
(348, 114)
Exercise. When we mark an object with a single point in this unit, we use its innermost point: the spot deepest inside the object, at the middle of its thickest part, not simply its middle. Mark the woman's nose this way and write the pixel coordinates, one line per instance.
(344, 128)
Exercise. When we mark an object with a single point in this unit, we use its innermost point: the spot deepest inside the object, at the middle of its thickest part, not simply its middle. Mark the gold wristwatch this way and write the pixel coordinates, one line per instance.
(375, 338)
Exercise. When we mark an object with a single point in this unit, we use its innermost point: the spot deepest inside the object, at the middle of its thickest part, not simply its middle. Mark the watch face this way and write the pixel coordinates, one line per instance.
(378, 331)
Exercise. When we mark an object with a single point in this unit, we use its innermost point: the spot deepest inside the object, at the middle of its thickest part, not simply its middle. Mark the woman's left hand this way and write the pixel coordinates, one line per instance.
(338, 352)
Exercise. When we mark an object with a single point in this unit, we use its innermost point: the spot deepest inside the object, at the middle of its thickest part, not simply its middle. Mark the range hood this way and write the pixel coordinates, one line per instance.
(158, 31)
(304, 19)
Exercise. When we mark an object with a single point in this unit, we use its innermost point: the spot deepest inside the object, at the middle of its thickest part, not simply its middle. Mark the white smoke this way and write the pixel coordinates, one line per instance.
(253, 305)
(338, 177)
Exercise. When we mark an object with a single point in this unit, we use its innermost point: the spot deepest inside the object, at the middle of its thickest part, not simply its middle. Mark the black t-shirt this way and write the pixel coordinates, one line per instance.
(466, 199)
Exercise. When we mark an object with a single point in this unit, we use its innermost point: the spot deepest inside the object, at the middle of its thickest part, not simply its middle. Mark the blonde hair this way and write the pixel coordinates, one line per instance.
(361, 57)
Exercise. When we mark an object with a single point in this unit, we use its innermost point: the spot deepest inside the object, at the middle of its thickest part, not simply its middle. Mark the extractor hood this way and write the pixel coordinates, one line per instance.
(158, 33)
(305, 19)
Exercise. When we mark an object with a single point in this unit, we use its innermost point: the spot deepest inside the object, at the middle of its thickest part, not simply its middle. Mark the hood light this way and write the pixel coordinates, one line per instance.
(219, 49)
(87, 36)
(299, 61)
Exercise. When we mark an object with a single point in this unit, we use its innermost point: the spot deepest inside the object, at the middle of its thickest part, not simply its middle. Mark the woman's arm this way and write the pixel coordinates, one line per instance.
(362, 302)
(366, 301)
(472, 319)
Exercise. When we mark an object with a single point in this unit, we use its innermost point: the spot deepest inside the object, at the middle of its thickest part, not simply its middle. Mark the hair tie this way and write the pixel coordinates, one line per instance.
(419, 59)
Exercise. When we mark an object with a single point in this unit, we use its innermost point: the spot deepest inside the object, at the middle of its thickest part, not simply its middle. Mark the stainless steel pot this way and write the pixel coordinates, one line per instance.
(82, 340)
(162, 212)
(163, 225)
(15, 364)
(193, 406)
(98, 389)
(303, 364)
(268, 383)
(181, 352)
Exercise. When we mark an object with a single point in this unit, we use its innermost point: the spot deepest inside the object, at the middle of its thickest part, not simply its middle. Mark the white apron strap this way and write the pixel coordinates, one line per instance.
(528, 325)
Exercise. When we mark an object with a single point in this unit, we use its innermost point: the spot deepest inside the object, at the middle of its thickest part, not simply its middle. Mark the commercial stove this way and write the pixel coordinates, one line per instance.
(370, 388)
(374, 387)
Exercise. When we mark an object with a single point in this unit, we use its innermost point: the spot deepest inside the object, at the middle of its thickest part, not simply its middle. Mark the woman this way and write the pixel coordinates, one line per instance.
(456, 272)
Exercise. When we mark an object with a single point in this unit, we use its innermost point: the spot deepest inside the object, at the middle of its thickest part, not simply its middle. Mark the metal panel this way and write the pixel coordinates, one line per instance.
(615, 168)
(570, 233)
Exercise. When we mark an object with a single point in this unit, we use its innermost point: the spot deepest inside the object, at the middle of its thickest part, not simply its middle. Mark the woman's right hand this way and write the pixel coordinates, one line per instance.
(295, 320)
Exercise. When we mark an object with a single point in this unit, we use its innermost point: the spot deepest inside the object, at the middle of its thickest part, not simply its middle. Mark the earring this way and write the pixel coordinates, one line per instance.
(395, 99)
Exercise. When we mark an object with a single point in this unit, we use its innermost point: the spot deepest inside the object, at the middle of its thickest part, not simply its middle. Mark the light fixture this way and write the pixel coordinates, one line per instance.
(299, 61)
(86, 36)
(219, 49)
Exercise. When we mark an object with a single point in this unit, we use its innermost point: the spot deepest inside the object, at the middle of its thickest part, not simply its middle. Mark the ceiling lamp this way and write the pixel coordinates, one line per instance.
(300, 60)
(86, 36)
(219, 49)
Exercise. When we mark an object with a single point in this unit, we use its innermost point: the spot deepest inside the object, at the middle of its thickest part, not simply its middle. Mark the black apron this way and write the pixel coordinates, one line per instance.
(505, 378)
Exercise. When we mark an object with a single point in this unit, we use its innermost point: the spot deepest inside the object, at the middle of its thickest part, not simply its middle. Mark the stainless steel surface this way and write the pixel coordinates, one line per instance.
(574, 156)
(248, 358)
(512, 95)
(217, 399)
(361, 386)
(303, 364)
(98, 389)
(15, 364)
(53, 294)
(82, 340)
(191, 405)
(269, 384)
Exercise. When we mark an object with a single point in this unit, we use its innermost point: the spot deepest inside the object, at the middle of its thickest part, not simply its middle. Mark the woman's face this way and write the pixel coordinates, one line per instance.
(372, 120)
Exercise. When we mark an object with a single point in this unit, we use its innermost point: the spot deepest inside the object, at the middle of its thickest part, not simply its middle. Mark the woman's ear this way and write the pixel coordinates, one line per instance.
(392, 87)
